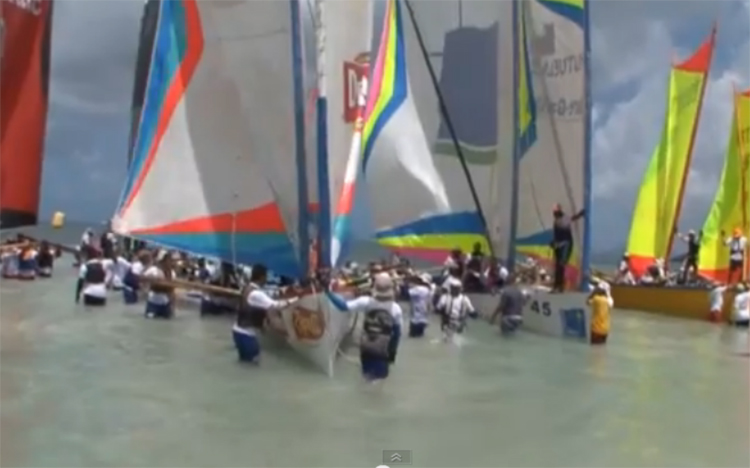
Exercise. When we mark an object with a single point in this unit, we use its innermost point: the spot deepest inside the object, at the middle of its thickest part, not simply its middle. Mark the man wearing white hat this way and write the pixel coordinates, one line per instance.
(741, 307)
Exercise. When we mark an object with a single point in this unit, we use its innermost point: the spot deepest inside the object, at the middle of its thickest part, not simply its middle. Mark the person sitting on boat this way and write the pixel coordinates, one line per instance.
(562, 243)
(600, 301)
(131, 281)
(10, 263)
(381, 328)
(624, 272)
(45, 260)
(510, 308)
(159, 303)
(455, 262)
(453, 309)
(420, 300)
(737, 245)
(655, 273)
(716, 299)
(92, 281)
(473, 280)
(27, 266)
(253, 316)
(690, 264)
(741, 307)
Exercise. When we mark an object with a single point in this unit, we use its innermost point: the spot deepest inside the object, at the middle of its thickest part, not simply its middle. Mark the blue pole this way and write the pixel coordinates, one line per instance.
(324, 194)
(515, 152)
(587, 163)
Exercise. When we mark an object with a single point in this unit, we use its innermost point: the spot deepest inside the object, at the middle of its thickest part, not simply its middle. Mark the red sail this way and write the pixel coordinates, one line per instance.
(24, 83)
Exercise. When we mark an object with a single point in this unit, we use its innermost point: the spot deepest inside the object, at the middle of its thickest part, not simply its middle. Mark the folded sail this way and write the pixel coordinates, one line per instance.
(553, 157)
(24, 84)
(219, 140)
(657, 208)
(729, 210)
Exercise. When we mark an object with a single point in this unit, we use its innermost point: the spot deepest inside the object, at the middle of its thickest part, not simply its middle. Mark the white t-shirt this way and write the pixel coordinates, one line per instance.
(109, 269)
(736, 247)
(455, 306)
(741, 307)
(10, 263)
(421, 298)
(717, 298)
(86, 238)
(137, 268)
(155, 297)
(257, 297)
(367, 303)
(121, 268)
(92, 289)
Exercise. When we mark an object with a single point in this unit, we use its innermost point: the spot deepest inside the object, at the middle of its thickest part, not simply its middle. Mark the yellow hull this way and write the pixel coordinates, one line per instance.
(672, 302)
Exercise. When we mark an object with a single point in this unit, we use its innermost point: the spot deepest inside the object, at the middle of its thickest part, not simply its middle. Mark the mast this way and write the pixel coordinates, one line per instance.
(681, 196)
(743, 133)
(516, 155)
(449, 124)
(587, 163)
(321, 105)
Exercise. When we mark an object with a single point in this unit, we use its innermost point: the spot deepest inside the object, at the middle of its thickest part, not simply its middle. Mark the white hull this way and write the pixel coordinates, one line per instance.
(316, 328)
(557, 315)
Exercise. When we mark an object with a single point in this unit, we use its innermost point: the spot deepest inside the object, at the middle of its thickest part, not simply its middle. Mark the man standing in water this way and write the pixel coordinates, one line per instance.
(510, 308)
(562, 243)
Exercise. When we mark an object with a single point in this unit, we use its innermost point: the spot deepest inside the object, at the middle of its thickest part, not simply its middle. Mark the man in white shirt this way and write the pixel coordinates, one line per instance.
(92, 282)
(737, 245)
(741, 307)
(454, 308)
(420, 299)
(131, 280)
(159, 301)
(253, 317)
(716, 298)
(381, 330)
(10, 263)
(27, 267)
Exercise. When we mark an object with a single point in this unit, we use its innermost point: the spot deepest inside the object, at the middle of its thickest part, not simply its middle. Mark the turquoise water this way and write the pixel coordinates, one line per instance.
(106, 387)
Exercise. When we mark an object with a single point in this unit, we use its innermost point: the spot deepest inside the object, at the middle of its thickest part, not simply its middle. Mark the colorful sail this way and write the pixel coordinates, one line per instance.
(743, 118)
(729, 210)
(553, 154)
(220, 136)
(659, 201)
(24, 84)
(344, 40)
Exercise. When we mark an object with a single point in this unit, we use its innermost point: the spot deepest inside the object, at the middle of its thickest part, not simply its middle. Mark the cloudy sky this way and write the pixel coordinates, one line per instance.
(633, 42)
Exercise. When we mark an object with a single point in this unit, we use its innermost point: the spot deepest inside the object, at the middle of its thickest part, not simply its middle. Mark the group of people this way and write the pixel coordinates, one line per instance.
(657, 273)
(23, 259)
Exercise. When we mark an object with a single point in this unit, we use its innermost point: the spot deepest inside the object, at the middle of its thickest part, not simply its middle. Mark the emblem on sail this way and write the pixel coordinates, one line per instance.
(354, 72)
(309, 325)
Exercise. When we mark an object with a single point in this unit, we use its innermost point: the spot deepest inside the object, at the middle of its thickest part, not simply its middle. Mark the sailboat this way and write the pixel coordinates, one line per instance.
(659, 202)
(730, 208)
(447, 199)
(220, 165)
(24, 85)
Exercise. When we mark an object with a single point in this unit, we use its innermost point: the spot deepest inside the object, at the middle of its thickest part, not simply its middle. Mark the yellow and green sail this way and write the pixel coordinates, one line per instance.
(729, 210)
(659, 201)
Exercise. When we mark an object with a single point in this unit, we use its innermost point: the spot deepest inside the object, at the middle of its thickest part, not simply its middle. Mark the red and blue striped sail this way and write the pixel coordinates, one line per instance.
(196, 182)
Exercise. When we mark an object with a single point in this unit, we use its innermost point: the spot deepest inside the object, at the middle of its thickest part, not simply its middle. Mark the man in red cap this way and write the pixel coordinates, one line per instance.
(562, 243)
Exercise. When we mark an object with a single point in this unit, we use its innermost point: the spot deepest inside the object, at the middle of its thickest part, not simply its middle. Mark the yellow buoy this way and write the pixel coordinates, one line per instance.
(58, 219)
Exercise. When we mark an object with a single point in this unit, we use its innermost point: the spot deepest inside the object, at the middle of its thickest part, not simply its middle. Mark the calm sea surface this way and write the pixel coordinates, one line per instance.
(107, 388)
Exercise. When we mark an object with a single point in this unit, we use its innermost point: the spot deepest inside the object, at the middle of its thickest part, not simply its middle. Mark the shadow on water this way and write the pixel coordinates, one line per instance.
(107, 388)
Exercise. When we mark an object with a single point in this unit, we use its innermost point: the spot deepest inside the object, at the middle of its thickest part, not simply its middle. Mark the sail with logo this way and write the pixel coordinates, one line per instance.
(219, 164)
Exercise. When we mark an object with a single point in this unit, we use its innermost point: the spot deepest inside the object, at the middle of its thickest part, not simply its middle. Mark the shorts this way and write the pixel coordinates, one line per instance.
(510, 323)
(393, 344)
(248, 347)
(374, 367)
(416, 330)
(743, 323)
(162, 311)
(598, 339)
(129, 295)
(94, 300)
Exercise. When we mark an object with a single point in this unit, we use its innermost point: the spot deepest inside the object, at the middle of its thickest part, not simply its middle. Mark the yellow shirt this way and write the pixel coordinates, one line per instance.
(600, 314)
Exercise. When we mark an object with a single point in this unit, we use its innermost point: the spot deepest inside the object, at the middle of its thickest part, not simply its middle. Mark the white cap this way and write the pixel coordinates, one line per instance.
(603, 285)
(453, 283)
(426, 277)
(382, 286)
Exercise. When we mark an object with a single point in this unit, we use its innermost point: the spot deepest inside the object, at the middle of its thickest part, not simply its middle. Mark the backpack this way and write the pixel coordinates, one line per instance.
(376, 333)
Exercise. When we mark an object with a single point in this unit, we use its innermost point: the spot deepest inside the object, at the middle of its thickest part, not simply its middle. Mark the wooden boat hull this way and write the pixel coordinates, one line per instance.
(688, 303)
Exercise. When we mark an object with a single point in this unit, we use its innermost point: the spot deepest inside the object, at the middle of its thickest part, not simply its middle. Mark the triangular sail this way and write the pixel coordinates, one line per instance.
(553, 154)
(657, 208)
(729, 210)
(219, 137)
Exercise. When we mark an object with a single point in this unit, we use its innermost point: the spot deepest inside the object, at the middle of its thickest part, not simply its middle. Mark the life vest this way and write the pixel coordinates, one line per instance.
(249, 316)
(95, 273)
(455, 323)
(735, 249)
(377, 329)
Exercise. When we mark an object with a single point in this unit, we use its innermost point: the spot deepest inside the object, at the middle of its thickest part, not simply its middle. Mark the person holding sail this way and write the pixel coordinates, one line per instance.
(562, 243)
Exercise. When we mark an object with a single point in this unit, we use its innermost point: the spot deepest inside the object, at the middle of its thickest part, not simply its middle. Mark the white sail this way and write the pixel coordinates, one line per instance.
(215, 161)
(553, 155)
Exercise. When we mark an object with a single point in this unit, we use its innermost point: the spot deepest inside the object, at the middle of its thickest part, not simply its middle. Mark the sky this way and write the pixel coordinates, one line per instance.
(633, 44)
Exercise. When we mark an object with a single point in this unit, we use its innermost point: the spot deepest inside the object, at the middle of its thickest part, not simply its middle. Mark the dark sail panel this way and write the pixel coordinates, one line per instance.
(24, 86)
(142, 65)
